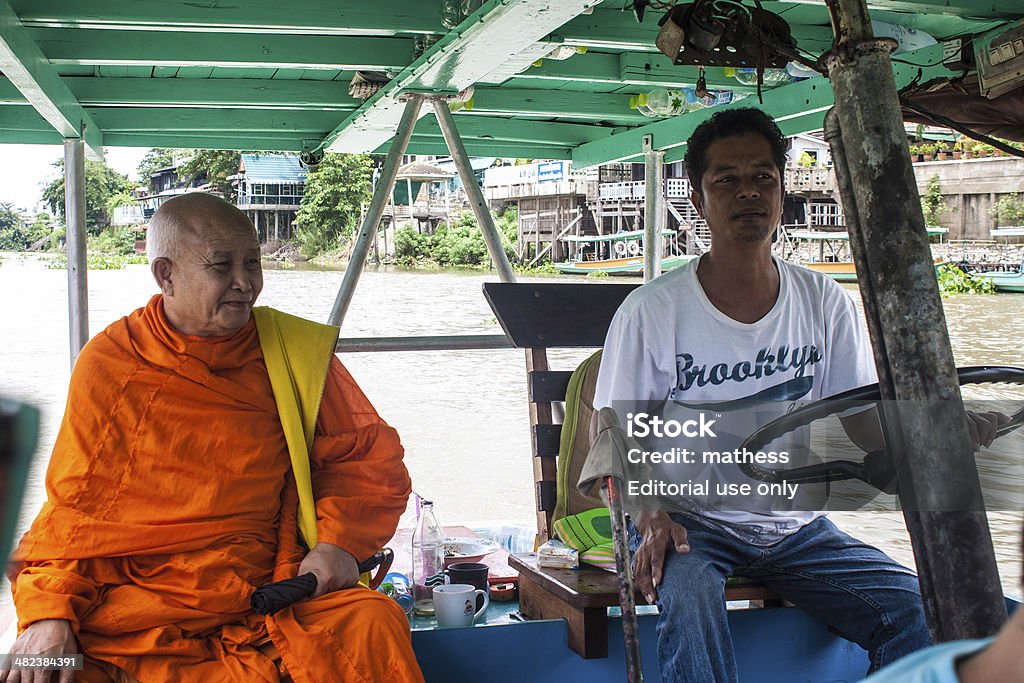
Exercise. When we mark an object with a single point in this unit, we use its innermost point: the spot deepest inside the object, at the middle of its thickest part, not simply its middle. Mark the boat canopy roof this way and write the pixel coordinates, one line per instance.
(617, 237)
(552, 78)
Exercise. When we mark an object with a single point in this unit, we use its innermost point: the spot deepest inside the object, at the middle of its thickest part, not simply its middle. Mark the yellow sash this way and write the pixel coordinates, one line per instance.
(297, 353)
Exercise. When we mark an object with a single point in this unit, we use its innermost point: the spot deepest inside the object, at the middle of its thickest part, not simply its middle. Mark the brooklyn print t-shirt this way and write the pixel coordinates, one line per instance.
(669, 343)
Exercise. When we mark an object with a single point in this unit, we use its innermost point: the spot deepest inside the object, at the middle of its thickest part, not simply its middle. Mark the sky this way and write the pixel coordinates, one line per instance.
(25, 170)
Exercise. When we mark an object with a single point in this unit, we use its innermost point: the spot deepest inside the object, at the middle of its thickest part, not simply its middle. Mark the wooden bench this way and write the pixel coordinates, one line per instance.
(538, 317)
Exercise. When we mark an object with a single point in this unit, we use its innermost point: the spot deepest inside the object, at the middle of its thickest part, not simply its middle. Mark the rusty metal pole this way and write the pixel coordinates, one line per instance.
(939, 488)
(624, 571)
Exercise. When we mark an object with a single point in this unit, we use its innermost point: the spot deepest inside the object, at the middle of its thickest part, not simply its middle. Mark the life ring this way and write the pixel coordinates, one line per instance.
(620, 248)
(633, 248)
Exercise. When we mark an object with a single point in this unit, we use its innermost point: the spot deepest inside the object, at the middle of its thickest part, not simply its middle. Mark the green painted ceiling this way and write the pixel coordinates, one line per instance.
(266, 74)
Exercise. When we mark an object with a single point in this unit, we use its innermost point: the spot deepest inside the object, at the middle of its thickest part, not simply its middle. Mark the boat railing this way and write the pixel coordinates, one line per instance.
(457, 342)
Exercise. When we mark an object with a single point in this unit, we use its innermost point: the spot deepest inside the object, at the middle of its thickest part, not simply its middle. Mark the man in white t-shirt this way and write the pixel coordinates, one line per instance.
(739, 324)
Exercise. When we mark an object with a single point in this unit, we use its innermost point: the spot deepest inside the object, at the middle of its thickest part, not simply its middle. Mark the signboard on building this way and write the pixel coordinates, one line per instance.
(551, 170)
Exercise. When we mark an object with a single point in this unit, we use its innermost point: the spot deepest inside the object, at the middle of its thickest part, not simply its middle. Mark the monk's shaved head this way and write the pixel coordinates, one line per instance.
(205, 256)
(190, 215)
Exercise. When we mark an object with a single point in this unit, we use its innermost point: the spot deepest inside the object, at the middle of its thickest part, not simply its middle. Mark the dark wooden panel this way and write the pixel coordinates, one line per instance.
(550, 315)
(545, 440)
(546, 387)
(547, 496)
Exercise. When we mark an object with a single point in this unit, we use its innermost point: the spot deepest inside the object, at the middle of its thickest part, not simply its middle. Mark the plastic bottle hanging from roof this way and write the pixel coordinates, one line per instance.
(664, 102)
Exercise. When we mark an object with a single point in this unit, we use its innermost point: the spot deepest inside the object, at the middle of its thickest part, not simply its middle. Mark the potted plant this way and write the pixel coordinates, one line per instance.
(928, 150)
(958, 148)
(915, 153)
(941, 152)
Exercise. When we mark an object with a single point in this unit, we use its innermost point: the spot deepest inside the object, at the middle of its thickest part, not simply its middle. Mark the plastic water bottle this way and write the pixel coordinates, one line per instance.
(396, 587)
(664, 102)
(427, 559)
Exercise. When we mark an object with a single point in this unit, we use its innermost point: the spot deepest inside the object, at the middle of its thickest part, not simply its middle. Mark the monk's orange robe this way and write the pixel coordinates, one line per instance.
(170, 499)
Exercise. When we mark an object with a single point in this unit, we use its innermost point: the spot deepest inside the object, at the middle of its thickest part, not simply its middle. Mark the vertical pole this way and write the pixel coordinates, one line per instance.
(654, 210)
(368, 230)
(624, 571)
(938, 482)
(476, 196)
(74, 218)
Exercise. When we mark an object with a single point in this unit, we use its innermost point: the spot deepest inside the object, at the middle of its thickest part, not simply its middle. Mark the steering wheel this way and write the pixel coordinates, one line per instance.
(877, 468)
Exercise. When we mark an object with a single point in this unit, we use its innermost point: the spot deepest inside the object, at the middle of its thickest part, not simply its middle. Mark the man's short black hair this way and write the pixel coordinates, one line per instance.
(727, 123)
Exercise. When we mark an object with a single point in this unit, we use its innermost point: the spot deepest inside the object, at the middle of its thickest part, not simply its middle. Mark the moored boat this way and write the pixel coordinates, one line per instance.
(618, 254)
(1012, 281)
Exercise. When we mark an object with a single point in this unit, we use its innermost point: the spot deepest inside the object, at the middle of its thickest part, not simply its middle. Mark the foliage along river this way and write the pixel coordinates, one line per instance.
(462, 415)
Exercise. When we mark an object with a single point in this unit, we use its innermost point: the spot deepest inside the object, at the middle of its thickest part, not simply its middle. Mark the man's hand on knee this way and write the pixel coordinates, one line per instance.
(660, 534)
(333, 567)
(46, 637)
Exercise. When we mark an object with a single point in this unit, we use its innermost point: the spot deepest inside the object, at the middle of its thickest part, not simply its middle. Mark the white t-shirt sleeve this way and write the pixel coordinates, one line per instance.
(849, 361)
(629, 369)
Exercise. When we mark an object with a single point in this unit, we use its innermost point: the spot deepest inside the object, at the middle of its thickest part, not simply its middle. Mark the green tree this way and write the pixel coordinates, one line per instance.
(155, 159)
(932, 204)
(334, 195)
(1009, 210)
(214, 166)
(102, 183)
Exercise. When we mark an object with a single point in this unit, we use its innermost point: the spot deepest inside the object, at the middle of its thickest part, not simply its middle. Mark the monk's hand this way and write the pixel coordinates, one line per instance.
(46, 637)
(661, 535)
(333, 567)
(982, 427)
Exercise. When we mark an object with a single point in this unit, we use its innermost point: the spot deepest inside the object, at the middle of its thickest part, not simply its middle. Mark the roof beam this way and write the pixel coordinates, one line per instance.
(354, 17)
(28, 70)
(184, 140)
(313, 124)
(984, 10)
(210, 92)
(484, 129)
(492, 35)
(167, 48)
(570, 104)
(610, 28)
(437, 147)
(645, 69)
(801, 99)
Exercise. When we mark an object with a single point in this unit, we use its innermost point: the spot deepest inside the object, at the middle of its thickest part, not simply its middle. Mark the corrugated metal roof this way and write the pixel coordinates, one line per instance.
(268, 168)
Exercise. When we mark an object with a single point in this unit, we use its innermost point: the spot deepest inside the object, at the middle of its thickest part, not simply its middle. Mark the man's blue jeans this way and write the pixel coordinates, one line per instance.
(854, 588)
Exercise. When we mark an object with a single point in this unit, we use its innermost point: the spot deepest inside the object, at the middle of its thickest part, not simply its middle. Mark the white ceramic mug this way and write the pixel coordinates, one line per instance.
(454, 604)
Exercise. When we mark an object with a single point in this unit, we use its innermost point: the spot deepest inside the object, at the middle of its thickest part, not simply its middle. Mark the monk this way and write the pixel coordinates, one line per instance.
(176, 487)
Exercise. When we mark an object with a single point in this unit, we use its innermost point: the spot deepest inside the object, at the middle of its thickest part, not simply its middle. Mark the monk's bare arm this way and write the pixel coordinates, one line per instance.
(47, 637)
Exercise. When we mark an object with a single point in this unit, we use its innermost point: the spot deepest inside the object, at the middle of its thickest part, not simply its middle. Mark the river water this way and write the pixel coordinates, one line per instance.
(462, 415)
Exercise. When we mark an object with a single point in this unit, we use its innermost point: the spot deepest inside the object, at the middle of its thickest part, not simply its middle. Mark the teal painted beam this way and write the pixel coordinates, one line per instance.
(211, 92)
(969, 9)
(789, 101)
(646, 70)
(184, 140)
(610, 28)
(570, 104)
(437, 147)
(489, 128)
(353, 17)
(158, 120)
(499, 31)
(168, 48)
(25, 65)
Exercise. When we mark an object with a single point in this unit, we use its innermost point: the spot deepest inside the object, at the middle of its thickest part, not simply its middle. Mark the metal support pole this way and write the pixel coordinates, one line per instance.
(939, 488)
(74, 219)
(368, 230)
(654, 208)
(627, 589)
(476, 196)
